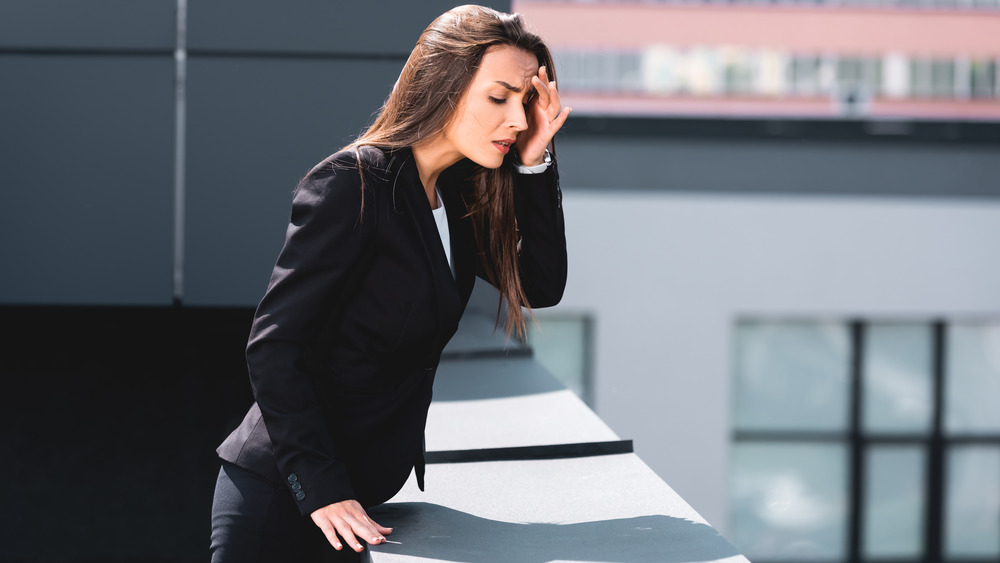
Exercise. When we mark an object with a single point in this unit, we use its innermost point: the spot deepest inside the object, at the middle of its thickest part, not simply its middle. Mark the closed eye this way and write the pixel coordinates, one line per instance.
(498, 100)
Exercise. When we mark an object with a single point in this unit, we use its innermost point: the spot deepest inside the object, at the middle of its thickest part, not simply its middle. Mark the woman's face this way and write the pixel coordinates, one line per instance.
(492, 112)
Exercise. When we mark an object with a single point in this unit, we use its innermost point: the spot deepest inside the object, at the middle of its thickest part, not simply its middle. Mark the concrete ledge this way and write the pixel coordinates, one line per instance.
(592, 508)
(608, 508)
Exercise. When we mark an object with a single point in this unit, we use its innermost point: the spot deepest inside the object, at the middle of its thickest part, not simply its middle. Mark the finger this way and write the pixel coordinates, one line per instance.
(366, 529)
(381, 529)
(560, 119)
(543, 75)
(549, 104)
(346, 531)
(329, 531)
(553, 91)
(543, 91)
(555, 103)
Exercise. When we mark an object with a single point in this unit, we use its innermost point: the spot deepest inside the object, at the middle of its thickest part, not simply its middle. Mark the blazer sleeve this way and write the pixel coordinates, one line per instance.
(540, 222)
(324, 240)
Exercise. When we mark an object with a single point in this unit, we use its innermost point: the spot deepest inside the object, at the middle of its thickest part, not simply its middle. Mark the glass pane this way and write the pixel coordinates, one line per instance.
(897, 382)
(791, 376)
(560, 345)
(973, 379)
(972, 502)
(894, 501)
(789, 501)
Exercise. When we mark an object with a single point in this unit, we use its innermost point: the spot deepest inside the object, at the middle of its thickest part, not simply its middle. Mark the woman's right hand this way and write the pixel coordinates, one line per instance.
(348, 519)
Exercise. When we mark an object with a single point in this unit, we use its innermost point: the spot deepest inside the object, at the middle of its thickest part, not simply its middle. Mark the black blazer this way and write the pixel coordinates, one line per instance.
(351, 425)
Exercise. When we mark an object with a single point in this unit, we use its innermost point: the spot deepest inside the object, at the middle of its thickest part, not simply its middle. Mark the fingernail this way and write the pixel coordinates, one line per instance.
(337, 546)
(357, 545)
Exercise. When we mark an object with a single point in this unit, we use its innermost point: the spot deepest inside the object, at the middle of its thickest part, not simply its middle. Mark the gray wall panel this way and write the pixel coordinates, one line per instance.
(801, 168)
(87, 179)
(383, 27)
(104, 24)
(256, 126)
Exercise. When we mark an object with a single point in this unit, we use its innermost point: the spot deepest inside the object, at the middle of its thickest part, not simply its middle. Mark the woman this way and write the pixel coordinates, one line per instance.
(453, 180)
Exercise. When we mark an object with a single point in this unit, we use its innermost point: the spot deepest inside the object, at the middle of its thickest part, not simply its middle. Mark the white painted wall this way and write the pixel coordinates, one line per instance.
(666, 276)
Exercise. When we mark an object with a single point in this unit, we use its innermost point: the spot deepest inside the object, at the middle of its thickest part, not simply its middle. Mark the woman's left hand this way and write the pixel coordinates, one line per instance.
(545, 115)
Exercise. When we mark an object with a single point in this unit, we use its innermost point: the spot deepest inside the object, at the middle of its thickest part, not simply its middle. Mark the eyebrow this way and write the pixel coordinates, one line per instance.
(508, 86)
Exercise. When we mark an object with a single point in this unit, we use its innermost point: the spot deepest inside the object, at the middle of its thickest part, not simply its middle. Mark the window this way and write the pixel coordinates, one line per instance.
(562, 344)
(983, 74)
(737, 72)
(932, 78)
(599, 71)
(804, 71)
(866, 441)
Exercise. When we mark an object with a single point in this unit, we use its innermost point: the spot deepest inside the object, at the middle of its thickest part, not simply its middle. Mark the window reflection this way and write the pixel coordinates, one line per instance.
(791, 376)
(562, 345)
(894, 503)
(973, 502)
(789, 501)
(973, 384)
(897, 378)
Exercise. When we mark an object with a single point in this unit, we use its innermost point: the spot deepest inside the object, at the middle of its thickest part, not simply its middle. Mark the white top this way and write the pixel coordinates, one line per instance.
(441, 218)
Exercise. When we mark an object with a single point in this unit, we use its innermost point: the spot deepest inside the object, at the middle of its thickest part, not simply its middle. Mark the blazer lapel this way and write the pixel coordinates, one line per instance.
(409, 191)
(463, 244)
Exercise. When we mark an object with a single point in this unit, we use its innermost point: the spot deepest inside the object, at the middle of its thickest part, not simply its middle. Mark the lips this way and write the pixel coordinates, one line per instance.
(503, 145)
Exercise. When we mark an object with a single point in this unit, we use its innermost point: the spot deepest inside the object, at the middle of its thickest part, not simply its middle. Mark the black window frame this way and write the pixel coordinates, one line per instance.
(936, 443)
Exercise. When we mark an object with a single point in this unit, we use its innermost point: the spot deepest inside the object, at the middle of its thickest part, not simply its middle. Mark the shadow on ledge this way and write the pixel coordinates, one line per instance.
(517, 377)
(441, 533)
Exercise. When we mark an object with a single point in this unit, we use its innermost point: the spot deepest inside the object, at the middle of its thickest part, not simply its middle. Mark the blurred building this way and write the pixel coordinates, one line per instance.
(886, 59)
(782, 220)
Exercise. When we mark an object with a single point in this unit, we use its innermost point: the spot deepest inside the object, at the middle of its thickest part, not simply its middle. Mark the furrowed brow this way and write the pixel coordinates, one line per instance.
(508, 86)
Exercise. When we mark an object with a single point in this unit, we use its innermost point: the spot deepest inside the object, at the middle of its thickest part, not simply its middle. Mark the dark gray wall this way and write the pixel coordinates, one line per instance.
(256, 126)
(771, 166)
(87, 115)
(119, 25)
(86, 138)
(370, 28)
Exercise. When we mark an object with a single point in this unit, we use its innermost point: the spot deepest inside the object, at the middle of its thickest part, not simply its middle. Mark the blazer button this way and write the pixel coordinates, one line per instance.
(296, 487)
(300, 495)
(293, 478)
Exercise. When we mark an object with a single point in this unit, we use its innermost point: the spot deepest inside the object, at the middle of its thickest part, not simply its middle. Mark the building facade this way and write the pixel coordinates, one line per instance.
(781, 219)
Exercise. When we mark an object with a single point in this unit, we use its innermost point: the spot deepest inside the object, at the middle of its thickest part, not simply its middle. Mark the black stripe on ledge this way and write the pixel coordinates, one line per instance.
(528, 453)
(482, 353)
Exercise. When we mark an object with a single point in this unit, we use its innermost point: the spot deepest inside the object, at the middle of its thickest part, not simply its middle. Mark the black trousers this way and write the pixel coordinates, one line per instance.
(256, 521)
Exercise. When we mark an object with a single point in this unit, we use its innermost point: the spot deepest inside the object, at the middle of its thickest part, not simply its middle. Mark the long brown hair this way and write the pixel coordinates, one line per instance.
(424, 101)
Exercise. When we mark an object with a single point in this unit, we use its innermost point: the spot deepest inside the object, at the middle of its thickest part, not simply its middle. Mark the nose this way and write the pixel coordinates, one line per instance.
(517, 120)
